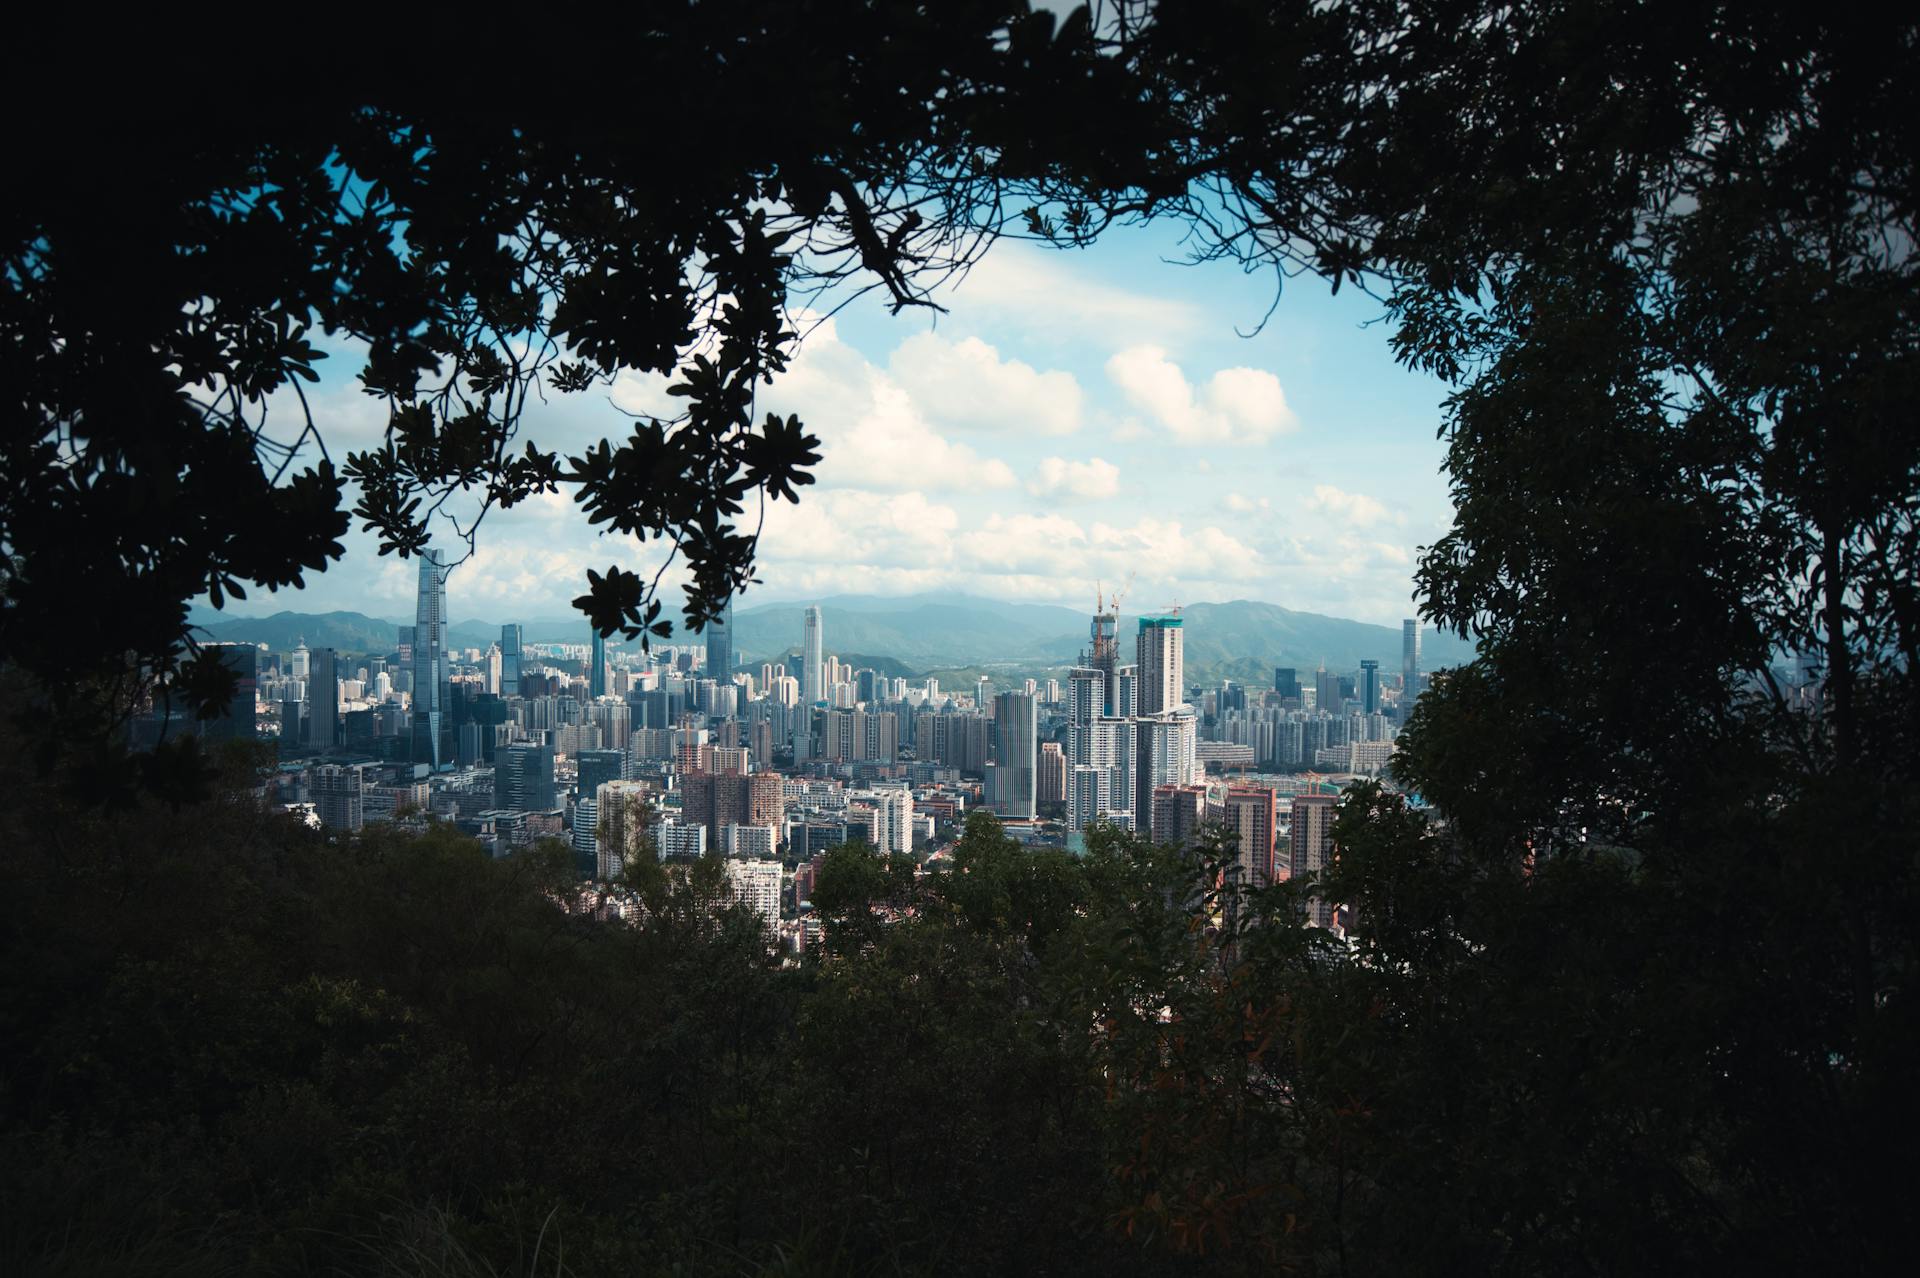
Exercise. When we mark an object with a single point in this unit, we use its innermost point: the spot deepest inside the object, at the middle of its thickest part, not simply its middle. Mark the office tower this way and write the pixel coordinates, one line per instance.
(597, 666)
(1312, 848)
(323, 700)
(595, 767)
(1178, 813)
(1164, 755)
(1286, 682)
(523, 778)
(1369, 687)
(1326, 691)
(1016, 765)
(720, 645)
(298, 664)
(432, 717)
(982, 688)
(510, 646)
(1160, 664)
(339, 796)
(1231, 696)
(813, 671)
(866, 686)
(1050, 780)
(1252, 814)
(1409, 662)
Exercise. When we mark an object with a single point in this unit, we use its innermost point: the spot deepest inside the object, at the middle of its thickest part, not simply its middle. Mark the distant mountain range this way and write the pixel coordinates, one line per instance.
(1242, 639)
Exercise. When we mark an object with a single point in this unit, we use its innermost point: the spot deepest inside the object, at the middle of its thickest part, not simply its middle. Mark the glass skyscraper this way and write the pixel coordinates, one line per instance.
(510, 645)
(813, 682)
(720, 646)
(432, 691)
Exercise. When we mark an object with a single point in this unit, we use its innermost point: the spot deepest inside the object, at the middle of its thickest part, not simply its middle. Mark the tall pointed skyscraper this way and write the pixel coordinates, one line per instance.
(1409, 662)
(432, 690)
(813, 678)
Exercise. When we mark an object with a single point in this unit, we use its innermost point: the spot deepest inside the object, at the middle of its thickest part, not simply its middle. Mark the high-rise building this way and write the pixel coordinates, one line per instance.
(298, 663)
(323, 700)
(1252, 814)
(720, 800)
(756, 886)
(1050, 782)
(523, 778)
(432, 715)
(1107, 746)
(1369, 687)
(813, 667)
(1086, 694)
(1326, 691)
(720, 645)
(1312, 848)
(1409, 662)
(510, 645)
(1016, 766)
(1164, 755)
(1178, 813)
(596, 767)
(623, 814)
(339, 796)
(1161, 666)
(1286, 682)
(597, 665)
(1123, 693)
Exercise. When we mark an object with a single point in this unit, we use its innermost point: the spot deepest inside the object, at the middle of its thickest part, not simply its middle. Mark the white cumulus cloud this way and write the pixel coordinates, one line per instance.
(1237, 405)
(1354, 509)
(967, 385)
(1090, 480)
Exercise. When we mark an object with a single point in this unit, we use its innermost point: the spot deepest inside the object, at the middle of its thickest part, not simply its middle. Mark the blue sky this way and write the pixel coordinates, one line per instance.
(1075, 417)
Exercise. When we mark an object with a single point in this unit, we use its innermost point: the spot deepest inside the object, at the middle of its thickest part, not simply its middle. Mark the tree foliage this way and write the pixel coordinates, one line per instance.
(174, 277)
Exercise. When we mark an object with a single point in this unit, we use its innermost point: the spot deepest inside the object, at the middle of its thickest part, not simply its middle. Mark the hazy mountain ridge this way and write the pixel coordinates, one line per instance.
(1241, 639)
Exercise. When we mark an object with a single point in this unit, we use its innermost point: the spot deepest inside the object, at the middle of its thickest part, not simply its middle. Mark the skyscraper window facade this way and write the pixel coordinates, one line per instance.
(510, 645)
(720, 646)
(1369, 687)
(1016, 762)
(1161, 665)
(1409, 662)
(432, 676)
(813, 676)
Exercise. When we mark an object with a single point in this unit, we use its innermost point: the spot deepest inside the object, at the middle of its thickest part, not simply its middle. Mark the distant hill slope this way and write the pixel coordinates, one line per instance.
(1241, 639)
(347, 631)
